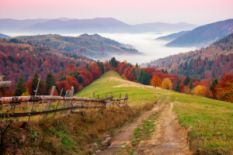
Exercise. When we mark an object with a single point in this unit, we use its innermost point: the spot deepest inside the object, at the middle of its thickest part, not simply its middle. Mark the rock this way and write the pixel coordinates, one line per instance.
(106, 141)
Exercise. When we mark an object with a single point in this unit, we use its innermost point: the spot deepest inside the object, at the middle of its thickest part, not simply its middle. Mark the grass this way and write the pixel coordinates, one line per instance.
(144, 130)
(210, 122)
(112, 84)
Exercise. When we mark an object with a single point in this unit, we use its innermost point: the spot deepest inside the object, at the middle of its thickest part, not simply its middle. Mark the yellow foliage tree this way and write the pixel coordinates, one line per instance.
(200, 90)
(155, 81)
(167, 83)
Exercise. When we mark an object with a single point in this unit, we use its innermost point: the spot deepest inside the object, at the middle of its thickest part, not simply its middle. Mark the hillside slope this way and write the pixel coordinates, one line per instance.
(22, 60)
(204, 35)
(93, 46)
(210, 62)
(209, 122)
(112, 84)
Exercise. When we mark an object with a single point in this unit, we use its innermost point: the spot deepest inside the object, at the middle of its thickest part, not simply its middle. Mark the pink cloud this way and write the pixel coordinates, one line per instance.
(131, 10)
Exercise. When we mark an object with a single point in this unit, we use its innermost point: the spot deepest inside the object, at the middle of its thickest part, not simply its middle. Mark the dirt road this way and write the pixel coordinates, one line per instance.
(169, 138)
(123, 137)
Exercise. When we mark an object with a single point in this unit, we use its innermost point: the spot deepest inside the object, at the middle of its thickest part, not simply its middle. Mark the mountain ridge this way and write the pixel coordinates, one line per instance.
(209, 63)
(204, 35)
(94, 25)
(92, 46)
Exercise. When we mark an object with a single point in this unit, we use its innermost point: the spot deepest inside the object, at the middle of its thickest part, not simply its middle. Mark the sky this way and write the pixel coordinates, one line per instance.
(129, 11)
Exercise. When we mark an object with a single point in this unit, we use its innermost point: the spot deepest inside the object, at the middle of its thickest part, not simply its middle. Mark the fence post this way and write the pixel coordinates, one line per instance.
(71, 95)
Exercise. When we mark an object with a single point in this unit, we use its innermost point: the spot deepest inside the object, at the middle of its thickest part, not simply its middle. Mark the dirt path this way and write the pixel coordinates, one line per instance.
(123, 137)
(168, 139)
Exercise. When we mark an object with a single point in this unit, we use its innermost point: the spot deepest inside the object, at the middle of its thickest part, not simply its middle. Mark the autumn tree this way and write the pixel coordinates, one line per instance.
(155, 81)
(200, 90)
(32, 85)
(167, 83)
(225, 88)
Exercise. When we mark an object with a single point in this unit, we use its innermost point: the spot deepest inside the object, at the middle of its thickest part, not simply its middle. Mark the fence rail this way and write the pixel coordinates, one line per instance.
(20, 99)
(27, 106)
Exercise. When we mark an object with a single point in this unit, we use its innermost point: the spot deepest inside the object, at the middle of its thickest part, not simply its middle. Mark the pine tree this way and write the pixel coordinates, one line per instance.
(113, 62)
(50, 81)
(187, 81)
(20, 89)
(35, 81)
(213, 87)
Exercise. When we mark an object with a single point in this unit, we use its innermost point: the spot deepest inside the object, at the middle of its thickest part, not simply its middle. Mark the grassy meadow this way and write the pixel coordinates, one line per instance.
(112, 84)
(209, 122)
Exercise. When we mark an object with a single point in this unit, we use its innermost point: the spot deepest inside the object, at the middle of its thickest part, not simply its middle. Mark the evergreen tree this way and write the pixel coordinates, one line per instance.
(177, 88)
(113, 62)
(101, 66)
(212, 87)
(187, 81)
(35, 81)
(20, 89)
(144, 78)
(50, 81)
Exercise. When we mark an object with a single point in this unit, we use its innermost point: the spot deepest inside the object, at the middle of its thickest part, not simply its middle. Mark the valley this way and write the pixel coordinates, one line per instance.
(116, 77)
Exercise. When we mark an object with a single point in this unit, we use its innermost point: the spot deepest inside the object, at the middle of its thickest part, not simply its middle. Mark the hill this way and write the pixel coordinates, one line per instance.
(199, 115)
(204, 35)
(112, 84)
(93, 46)
(95, 25)
(207, 121)
(21, 60)
(210, 62)
(162, 27)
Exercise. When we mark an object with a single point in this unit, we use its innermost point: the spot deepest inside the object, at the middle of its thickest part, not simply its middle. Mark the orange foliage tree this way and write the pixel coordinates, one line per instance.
(200, 90)
(167, 83)
(155, 81)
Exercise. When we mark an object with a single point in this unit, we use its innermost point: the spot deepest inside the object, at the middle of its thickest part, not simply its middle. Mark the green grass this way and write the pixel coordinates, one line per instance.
(144, 130)
(112, 84)
(209, 122)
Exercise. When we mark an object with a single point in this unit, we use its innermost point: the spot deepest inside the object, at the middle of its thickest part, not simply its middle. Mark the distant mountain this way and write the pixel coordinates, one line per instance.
(163, 27)
(92, 46)
(3, 36)
(96, 25)
(172, 36)
(211, 62)
(204, 35)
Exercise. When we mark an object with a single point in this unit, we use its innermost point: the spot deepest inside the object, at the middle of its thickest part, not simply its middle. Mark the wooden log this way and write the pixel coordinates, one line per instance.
(33, 113)
(19, 99)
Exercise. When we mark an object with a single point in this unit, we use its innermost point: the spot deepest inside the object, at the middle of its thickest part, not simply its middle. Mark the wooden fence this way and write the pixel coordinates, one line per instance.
(27, 106)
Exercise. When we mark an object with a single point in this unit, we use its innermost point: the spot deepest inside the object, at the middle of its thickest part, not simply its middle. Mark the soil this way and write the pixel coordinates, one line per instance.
(123, 137)
(169, 138)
